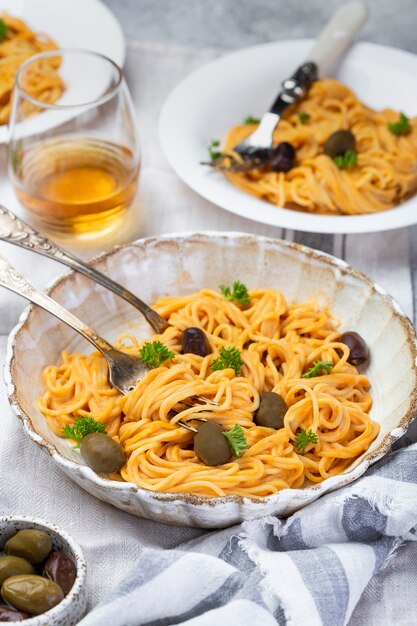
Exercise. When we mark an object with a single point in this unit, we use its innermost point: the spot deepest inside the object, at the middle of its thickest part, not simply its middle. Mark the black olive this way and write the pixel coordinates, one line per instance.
(7, 614)
(359, 351)
(61, 570)
(271, 410)
(339, 142)
(211, 446)
(194, 341)
(282, 157)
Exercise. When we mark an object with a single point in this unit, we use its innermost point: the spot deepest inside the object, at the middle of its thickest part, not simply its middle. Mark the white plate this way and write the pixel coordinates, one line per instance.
(214, 98)
(84, 24)
(186, 263)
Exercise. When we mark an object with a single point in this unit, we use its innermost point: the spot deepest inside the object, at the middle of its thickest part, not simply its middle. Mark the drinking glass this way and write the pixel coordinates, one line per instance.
(73, 154)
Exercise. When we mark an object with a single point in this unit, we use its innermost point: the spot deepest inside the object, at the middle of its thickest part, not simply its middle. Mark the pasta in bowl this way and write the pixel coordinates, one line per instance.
(280, 341)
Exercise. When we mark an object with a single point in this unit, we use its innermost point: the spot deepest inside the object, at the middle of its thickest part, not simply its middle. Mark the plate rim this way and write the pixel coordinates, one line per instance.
(86, 473)
(285, 218)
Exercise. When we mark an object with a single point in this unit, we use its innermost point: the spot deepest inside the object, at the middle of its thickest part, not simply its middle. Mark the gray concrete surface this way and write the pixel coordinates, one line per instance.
(237, 23)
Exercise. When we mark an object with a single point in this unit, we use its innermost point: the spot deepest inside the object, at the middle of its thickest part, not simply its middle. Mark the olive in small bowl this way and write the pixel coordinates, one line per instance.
(61, 570)
(8, 614)
(30, 544)
(71, 608)
(12, 566)
(32, 594)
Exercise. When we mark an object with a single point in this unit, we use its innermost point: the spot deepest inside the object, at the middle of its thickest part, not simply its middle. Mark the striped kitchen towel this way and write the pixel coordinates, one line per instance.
(308, 570)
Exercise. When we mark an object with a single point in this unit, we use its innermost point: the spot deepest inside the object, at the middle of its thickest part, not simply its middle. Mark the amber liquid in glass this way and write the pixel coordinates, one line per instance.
(76, 186)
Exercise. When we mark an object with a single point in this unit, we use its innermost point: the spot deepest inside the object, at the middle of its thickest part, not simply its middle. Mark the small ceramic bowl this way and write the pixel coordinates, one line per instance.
(182, 264)
(74, 605)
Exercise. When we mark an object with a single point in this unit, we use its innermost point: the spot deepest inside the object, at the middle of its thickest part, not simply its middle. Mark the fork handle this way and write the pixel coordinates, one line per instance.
(18, 232)
(338, 34)
(332, 42)
(13, 280)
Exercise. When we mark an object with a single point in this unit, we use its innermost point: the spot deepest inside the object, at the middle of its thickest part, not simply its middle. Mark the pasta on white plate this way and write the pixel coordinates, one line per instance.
(18, 42)
(256, 343)
(378, 172)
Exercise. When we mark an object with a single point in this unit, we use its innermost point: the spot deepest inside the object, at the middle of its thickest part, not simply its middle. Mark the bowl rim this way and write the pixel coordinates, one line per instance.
(366, 459)
(74, 595)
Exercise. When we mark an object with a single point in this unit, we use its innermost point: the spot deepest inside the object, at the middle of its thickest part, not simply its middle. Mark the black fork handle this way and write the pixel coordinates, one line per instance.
(295, 87)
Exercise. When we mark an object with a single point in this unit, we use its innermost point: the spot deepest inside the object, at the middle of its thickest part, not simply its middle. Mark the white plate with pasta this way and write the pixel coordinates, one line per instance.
(36, 25)
(283, 336)
(375, 192)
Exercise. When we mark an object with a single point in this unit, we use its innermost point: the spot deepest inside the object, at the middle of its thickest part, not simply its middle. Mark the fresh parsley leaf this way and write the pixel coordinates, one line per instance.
(155, 353)
(346, 160)
(303, 438)
(82, 426)
(304, 117)
(402, 127)
(229, 357)
(317, 369)
(238, 293)
(236, 439)
(214, 152)
(251, 120)
(4, 29)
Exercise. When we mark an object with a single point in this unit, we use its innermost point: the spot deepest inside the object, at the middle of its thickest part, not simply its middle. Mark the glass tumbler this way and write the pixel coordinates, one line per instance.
(73, 154)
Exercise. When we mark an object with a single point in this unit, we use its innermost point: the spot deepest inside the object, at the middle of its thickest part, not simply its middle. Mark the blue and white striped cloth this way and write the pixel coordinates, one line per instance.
(308, 570)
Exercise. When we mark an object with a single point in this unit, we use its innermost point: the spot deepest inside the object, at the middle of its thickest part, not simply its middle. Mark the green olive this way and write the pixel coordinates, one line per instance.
(338, 143)
(30, 544)
(102, 453)
(271, 410)
(211, 446)
(32, 594)
(12, 566)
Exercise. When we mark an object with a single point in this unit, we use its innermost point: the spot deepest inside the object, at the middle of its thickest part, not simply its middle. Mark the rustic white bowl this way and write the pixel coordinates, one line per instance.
(73, 607)
(181, 264)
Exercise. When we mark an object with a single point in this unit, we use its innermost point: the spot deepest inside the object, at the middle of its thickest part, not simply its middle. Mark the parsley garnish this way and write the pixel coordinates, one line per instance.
(304, 117)
(229, 357)
(238, 293)
(317, 369)
(236, 439)
(4, 29)
(82, 427)
(346, 160)
(155, 353)
(303, 438)
(251, 120)
(213, 151)
(402, 127)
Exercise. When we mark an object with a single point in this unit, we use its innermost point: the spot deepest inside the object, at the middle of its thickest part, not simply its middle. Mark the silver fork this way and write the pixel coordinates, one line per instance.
(16, 231)
(125, 370)
(256, 149)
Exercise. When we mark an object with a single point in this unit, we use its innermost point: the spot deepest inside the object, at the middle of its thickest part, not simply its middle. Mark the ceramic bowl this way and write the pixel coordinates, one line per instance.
(74, 605)
(181, 264)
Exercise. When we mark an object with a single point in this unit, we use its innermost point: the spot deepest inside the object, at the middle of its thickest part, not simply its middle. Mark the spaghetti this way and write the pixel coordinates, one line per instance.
(42, 80)
(277, 343)
(385, 174)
